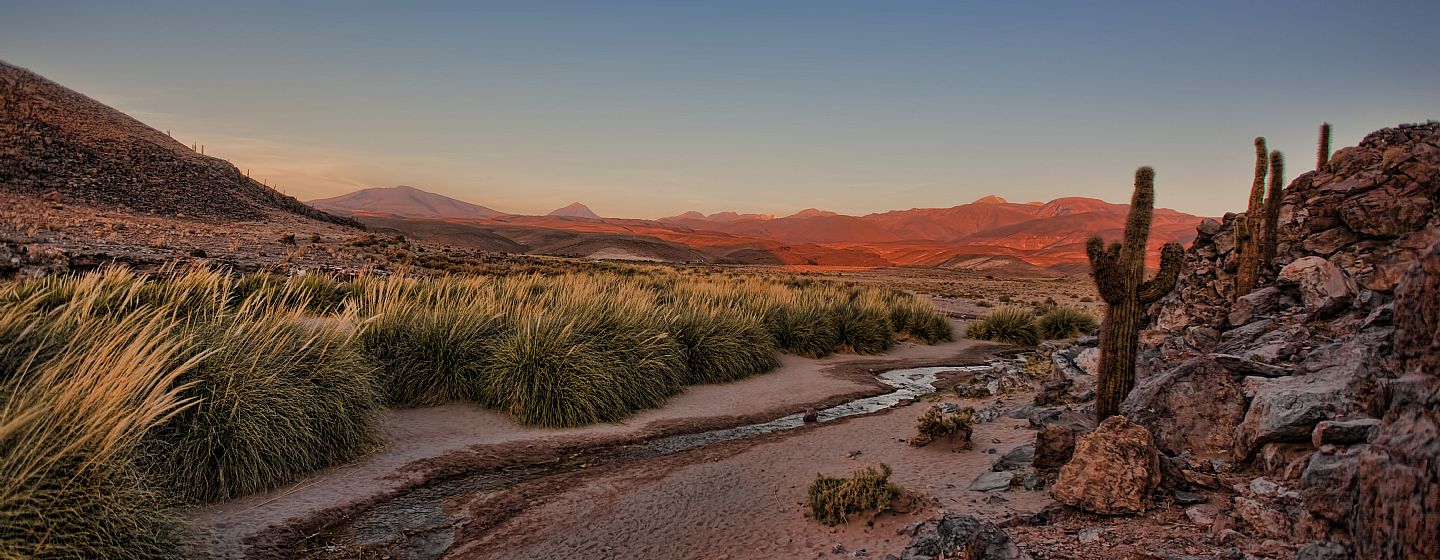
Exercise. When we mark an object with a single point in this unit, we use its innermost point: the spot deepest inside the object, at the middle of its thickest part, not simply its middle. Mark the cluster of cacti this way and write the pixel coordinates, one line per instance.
(1119, 273)
(1256, 231)
(1322, 156)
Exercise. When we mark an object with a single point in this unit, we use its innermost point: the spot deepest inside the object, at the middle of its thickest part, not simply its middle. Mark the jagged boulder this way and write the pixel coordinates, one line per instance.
(1054, 445)
(1192, 407)
(1114, 470)
(1397, 513)
(1324, 288)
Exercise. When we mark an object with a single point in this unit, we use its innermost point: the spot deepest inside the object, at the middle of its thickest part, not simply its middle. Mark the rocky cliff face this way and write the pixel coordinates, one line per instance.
(1325, 377)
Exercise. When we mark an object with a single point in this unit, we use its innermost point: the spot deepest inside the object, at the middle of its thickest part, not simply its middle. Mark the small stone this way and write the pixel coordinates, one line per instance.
(837, 549)
(992, 480)
(1188, 498)
(1344, 432)
(1092, 534)
(1199, 515)
(1033, 482)
(995, 499)
(811, 415)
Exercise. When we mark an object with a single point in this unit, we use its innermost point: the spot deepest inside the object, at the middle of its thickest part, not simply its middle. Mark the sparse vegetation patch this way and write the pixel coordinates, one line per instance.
(833, 500)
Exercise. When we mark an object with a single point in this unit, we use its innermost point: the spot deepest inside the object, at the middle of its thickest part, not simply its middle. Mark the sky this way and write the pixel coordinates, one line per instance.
(647, 109)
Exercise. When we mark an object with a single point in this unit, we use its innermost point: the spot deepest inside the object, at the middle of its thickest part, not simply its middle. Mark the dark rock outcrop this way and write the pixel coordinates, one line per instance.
(962, 537)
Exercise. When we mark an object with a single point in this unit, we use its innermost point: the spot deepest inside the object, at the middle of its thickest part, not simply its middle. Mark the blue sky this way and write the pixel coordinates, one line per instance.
(644, 109)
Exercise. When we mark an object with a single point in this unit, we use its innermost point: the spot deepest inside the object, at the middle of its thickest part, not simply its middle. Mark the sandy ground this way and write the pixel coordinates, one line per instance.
(745, 499)
(419, 436)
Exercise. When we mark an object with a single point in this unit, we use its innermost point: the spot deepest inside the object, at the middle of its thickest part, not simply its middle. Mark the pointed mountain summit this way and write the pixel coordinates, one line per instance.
(575, 210)
(405, 201)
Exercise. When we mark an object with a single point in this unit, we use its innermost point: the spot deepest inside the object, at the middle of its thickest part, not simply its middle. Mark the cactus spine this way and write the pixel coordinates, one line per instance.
(1271, 236)
(1322, 155)
(1119, 273)
(1250, 227)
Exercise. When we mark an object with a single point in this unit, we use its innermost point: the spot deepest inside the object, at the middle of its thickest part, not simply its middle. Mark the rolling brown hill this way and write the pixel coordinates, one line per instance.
(404, 201)
(53, 139)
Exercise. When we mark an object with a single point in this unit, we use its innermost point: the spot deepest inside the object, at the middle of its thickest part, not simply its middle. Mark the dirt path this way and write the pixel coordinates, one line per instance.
(435, 444)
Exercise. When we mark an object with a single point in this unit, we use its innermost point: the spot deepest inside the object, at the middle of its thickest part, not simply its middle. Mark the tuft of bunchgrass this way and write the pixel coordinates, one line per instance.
(803, 324)
(429, 354)
(69, 427)
(1066, 322)
(721, 345)
(862, 326)
(278, 396)
(1009, 324)
(833, 500)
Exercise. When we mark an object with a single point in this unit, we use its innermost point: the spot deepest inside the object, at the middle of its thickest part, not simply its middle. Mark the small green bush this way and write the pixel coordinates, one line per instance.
(806, 327)
(936, 424)
(833, 500)
(1009, 324)
(1066, 322)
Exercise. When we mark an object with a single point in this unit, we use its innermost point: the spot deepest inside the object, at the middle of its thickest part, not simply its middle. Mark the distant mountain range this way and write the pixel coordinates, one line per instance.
(990, 233)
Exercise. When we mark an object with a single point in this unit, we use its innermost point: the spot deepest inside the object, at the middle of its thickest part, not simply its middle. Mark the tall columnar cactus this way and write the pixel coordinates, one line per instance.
(1271, 236)
(1322, 155)
(1119, 273)
(1250, 227)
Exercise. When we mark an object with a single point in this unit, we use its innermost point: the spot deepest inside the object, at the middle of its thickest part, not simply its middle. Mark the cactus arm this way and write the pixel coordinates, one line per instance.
(1105, 267)
(1172, 258)
(1257, 185)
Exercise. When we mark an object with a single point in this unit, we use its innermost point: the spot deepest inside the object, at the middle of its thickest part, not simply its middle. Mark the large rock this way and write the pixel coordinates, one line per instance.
(1324, 288)
(1193, 407)
(1397, 513)
(1385, 212)
(1287, 409)
(962, 537)
(1054, 445)
(1114, 470)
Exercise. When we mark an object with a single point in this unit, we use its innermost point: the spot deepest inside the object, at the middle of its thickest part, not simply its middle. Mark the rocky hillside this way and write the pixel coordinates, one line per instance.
(1324, 382)
(53, 139)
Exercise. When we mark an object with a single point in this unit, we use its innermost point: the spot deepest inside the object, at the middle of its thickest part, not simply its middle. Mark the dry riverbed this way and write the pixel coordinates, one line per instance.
(441, 449)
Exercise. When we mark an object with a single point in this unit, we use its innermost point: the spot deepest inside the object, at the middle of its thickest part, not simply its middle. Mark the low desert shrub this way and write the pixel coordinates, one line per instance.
(1009, 324)
(936, 424)
(1066, 322)
(833, 500)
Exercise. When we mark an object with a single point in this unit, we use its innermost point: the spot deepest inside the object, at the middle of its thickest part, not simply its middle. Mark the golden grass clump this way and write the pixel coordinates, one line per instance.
(69, 427)
(277, 396)
(833, 500)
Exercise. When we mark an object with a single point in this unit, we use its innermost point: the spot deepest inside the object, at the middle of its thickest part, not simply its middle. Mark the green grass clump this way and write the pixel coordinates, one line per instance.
(1066, 322)
(804, 325)
(935, 424)
(429, 354)
(275, 398)
(1009, 324)
(833, 500)
(862, 326)
(721, 345)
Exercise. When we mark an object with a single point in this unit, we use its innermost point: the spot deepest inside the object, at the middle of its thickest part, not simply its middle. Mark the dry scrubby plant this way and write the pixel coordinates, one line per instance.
(936, 424)
(1119, 272)
(1010, 324)
(833, 500)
